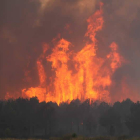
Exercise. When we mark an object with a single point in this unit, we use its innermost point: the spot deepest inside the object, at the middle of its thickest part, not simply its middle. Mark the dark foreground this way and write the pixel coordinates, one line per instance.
(28, 118)
(95, 138)
(68, 137)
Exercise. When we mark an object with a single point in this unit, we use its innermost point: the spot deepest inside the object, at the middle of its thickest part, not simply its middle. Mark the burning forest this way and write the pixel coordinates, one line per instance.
(89, 77)
(63, 56)
(69, 66)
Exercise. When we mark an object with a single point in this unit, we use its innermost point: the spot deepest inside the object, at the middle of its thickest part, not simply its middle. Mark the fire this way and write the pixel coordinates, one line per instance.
(90, 77)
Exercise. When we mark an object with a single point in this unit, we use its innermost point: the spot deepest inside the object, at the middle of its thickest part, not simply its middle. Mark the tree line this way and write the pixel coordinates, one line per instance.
(23, 118)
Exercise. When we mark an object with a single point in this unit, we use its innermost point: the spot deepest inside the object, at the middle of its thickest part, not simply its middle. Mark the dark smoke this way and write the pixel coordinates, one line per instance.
(122, 26)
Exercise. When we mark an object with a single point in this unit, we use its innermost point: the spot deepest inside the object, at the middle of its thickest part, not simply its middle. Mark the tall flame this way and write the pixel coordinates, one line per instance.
(90, 77)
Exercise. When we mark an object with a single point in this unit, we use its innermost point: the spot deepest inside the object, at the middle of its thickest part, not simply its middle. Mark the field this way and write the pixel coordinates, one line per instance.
(82, 138)
(96, 138)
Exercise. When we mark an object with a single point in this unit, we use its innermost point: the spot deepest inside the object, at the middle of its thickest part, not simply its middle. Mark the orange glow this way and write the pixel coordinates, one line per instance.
(90, 77)
(115, 57)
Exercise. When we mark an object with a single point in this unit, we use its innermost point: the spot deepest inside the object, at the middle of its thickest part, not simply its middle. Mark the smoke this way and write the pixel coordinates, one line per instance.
(122, 26)
(26, 25)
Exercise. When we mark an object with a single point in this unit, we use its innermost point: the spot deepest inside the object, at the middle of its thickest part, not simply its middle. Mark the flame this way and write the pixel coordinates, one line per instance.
(90, 77)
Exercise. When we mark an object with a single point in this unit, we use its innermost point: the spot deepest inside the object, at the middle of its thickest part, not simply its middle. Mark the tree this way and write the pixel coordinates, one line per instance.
(110, 119)
(133, 120)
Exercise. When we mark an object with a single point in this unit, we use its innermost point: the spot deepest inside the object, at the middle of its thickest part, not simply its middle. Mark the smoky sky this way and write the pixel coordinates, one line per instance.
(26, 25)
